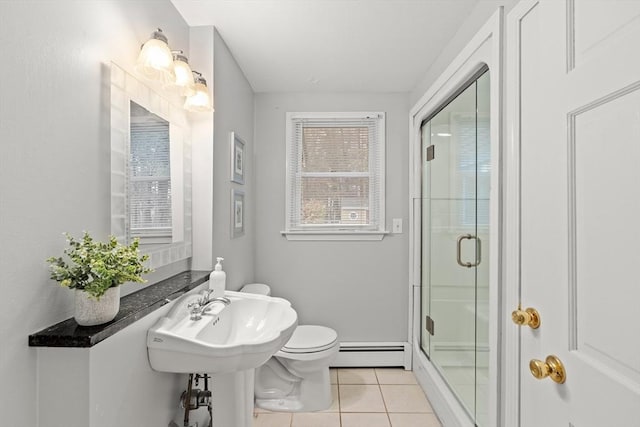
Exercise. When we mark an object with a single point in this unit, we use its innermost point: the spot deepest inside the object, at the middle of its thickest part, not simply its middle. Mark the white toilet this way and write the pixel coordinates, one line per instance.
(296, 379)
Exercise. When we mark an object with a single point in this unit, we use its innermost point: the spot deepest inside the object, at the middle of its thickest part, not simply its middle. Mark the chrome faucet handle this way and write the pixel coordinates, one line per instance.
(195, 310)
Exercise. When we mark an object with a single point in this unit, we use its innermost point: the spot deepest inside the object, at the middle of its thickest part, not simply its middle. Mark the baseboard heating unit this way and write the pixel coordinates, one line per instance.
(373, 354)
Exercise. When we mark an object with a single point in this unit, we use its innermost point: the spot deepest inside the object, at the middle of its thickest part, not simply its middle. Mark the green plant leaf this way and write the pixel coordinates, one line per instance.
(95, 267)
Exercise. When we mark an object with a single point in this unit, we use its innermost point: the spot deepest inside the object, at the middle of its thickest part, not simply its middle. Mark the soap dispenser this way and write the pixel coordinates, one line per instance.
(217, 280)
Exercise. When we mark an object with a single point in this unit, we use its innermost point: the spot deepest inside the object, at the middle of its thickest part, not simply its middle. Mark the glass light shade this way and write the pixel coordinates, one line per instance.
(199, 100)
(184, 82)
(155, 60)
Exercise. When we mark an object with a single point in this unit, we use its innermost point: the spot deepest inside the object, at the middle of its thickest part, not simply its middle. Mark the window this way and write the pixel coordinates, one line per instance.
(149, 177)
(335, 175)
(472, 171)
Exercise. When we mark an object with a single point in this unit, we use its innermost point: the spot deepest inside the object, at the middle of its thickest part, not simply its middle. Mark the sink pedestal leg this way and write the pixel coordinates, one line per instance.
(233, 399)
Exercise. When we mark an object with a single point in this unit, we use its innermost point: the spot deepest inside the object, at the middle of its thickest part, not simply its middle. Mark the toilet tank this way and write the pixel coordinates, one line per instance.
(256, 288)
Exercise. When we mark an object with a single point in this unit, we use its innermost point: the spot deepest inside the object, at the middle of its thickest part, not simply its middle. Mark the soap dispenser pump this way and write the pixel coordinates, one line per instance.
(217, 280)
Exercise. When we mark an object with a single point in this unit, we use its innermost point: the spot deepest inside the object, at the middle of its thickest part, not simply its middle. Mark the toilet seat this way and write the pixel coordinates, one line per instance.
(310, 339)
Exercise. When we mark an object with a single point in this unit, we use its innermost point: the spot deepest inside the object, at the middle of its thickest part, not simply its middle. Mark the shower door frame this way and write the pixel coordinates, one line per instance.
(485, 49)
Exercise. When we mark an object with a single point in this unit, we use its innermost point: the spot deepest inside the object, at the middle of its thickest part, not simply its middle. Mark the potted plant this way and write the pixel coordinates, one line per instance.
(96, 270)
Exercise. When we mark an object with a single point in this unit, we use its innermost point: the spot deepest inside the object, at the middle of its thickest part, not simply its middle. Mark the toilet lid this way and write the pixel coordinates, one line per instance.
(310, 338)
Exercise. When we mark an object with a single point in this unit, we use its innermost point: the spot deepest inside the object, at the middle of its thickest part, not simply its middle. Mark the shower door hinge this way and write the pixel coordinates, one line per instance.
(429, 325)
(431, 152)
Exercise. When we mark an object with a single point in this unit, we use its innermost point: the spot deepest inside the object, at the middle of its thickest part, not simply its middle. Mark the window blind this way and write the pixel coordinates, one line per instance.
(471, 133)
(335, 173)
(149, 195)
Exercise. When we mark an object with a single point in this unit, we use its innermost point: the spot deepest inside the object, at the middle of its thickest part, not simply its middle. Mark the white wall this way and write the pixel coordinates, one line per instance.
(110, 384)
(234, 112)
(233, 104)
(201, 60)
(54, 158)
(358, 288)
(476, 19)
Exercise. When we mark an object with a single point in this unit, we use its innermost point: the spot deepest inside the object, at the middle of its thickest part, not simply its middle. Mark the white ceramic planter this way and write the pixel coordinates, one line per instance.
(91, 312)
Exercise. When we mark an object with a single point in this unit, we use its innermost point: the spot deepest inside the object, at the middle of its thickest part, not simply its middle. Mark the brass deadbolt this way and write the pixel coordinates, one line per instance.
(529, 317)
(552, 367)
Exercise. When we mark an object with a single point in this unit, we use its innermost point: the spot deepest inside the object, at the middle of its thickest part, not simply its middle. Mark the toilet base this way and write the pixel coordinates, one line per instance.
(280, 405)
(312, 394)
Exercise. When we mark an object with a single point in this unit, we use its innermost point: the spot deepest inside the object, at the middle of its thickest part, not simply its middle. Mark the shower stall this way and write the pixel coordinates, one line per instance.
(454, 247)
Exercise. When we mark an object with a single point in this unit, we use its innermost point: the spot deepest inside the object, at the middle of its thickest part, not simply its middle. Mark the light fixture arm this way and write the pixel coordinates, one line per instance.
(159, 35)
(198, 78)
(178, 55)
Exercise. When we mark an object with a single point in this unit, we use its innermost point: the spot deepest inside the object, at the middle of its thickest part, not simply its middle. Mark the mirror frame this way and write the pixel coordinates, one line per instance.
(125, 88)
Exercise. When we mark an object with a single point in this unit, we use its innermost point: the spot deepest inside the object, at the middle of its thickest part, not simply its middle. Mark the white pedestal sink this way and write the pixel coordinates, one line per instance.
(228, 343)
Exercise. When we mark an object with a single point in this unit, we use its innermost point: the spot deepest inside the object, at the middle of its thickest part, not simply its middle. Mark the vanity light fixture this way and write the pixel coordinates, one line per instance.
(158, 62)
(199, 100)
(184, 76)
(155, 60)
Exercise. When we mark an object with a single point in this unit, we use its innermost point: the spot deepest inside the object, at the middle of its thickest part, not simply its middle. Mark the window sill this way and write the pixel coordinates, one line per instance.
(334, 235)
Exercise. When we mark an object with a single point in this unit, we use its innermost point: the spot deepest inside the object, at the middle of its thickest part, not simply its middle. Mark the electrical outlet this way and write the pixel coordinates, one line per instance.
(397, 226)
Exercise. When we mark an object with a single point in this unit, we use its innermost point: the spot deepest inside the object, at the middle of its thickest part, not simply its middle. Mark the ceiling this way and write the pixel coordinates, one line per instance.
(331, 45)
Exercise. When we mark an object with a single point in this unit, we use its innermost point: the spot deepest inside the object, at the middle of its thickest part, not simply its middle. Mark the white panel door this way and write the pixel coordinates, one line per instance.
(574, 142)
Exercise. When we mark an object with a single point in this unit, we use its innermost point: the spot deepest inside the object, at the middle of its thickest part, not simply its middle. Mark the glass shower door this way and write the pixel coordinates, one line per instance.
(455, 202)
(483, 188)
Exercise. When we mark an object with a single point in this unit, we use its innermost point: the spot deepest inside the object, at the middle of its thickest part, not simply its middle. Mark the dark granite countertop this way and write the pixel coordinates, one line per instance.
(132, 307)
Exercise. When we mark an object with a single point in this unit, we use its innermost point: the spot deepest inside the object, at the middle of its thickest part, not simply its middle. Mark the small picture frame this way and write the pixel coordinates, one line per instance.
(237, 213)
(237, 159)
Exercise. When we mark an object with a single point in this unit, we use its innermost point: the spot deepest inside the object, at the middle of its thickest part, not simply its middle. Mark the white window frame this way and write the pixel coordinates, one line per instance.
(343, 232)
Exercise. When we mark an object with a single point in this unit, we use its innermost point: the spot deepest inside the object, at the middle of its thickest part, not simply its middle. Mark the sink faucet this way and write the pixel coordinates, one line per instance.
(204, 304)
(224, 300)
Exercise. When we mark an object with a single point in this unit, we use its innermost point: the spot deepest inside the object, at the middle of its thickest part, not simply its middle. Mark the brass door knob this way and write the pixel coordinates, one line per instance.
(529, 317)
(552, 367)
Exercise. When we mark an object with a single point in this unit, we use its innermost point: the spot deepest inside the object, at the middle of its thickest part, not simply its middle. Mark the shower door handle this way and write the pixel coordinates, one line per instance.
(478, 251)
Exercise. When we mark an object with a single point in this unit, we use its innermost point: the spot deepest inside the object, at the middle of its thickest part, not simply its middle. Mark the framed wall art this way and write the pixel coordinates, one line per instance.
(237, 159)
(237, 213)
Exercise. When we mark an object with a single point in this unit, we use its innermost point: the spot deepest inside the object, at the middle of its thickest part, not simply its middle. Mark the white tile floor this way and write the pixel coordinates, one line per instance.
(364, 397)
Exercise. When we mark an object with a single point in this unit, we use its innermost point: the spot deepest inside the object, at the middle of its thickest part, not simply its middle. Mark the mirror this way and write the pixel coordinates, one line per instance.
(150, 170)
(149, 174)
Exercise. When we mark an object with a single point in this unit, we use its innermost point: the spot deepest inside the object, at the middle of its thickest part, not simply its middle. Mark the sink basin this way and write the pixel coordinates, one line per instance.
(240, 336)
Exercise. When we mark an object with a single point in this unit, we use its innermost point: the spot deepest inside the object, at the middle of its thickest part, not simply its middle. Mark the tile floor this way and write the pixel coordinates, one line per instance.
(363, 397)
